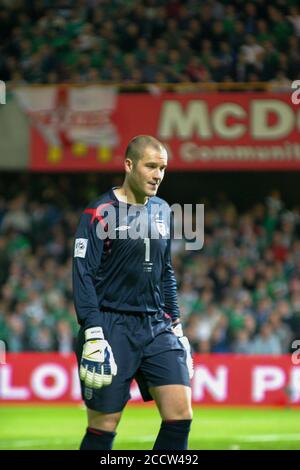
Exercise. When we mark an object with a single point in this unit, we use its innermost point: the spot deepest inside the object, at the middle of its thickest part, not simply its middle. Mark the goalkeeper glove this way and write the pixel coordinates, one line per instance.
(97, 366)
(177, 330)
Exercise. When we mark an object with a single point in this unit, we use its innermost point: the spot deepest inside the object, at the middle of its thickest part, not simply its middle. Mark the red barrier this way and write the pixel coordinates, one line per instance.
(218, 380)
(211, 131)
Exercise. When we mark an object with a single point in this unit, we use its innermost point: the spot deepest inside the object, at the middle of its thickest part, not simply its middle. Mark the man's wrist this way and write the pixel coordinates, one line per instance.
(95, 332)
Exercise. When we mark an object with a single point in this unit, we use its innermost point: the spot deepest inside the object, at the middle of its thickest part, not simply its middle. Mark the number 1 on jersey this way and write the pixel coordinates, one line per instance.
(147, 249)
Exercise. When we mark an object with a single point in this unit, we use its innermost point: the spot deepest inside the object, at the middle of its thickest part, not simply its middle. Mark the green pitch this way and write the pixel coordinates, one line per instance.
(61, 427)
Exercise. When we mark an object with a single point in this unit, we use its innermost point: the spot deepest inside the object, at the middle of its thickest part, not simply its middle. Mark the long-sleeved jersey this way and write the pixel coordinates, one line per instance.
(122, 259)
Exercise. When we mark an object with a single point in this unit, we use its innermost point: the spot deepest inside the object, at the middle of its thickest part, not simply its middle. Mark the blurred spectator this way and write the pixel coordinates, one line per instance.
(280, 83)
(251, 49)
(15, 338)
(16, 217)
(294, 18)
(65, 342)
(281, 330)
(41, 340)
(242, 343)
(266, 342)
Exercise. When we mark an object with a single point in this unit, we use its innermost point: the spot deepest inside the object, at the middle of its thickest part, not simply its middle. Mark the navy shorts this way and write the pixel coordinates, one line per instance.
(145, 349)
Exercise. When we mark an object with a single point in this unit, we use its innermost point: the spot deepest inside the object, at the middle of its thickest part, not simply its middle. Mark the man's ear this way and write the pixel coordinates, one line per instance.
(128, 164)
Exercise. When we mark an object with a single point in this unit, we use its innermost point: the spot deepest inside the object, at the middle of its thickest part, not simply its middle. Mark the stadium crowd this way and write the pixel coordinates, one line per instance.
(149, 41)
(240, 293)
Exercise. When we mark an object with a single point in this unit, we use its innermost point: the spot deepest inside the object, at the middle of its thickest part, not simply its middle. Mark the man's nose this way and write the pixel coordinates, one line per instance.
(157, 174)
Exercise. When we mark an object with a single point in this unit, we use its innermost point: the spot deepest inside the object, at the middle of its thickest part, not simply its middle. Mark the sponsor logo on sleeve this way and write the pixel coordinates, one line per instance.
(80, 247)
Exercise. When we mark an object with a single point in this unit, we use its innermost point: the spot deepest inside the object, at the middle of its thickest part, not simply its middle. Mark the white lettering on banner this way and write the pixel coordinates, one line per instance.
(261, 129)
(53, 391)
(266, 379)
(7, 390)
(216, 384)
(57, 380)
(75, 387)
(219, 116)
(191, 152)
(295, 385)
(176, 122)
(194, 119)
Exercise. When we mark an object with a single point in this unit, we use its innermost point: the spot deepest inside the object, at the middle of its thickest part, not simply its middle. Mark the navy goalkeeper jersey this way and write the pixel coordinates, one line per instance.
(122, 260)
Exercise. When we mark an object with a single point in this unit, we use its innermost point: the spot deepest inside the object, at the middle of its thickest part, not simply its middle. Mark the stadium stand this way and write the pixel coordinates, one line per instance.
(149, 41)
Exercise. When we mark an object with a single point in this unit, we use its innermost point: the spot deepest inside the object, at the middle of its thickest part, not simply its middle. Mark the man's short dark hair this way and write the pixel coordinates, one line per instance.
(137, 145)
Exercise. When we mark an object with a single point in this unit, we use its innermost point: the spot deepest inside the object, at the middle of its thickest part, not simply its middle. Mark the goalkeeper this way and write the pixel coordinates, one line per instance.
(126, 302)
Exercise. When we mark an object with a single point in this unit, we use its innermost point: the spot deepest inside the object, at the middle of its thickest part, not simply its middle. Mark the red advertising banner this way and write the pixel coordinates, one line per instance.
(218, 380)
(202, 131)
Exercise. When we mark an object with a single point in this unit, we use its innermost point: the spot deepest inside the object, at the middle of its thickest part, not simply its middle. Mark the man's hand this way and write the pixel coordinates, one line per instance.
(97, 366)
(177, 330)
